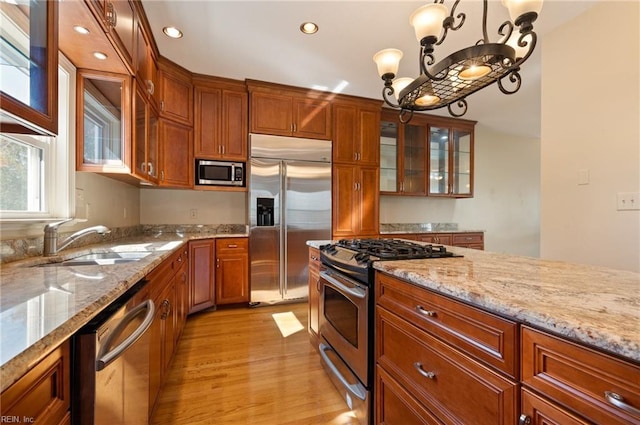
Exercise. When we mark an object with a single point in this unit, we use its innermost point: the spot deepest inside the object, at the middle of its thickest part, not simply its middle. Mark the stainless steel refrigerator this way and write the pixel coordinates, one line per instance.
(289, 204)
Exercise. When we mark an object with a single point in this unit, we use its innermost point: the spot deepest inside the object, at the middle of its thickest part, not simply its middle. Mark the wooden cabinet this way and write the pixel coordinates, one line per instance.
(232, 270)
(202, 279)
(575, 380)
(428, 347)
(451, 158)
(29, 89)
(103, 118)
(289, 111)
(175, 92)
(355, 201)
(182, 290)
(473, 240)
(313, 325)
(175, 155)
(145, 64)
(538, 411)
(221, 119)
(145, 137)
(120, 20)
(356, 131)
(42, 395)
(403, 155)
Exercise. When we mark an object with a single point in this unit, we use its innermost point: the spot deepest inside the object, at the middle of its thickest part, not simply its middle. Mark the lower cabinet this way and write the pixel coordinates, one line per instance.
(314, 297)
(232, 270)
(202, 280)
(473, 240)
(42, 395)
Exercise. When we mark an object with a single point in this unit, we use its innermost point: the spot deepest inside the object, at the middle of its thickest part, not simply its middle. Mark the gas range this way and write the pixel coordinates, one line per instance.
(355, 257)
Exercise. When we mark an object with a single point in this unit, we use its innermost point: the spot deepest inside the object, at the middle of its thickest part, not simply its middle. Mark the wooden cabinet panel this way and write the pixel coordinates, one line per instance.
(356, 133)
(579, 377)
(176, 155)
(435, 373)
(221, 119)
(367, 193)
(436, 238)
(489, 338)
(394, 405)
(182, 291)
(42, 395)
(541, 412)
(202, 279)
(176, 93)
(314, 297)
(120, 17)
(271, 114)
(145, 137)
(469, 240)
(232, 270)
(311, 118)
(355, 201)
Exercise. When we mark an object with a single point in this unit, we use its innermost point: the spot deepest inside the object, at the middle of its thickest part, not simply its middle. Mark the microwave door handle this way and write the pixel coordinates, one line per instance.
(356, 389)
(356, 292)
(105, 358)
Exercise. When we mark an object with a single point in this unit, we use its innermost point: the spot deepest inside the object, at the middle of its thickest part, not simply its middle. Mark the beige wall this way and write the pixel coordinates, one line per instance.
(164, 206)
(506, 199)
(590, 121)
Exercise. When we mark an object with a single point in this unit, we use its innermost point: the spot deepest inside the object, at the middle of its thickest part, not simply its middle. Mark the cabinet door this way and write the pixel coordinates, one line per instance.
(542, 412)
(176, 167)
(345, 204)
(368, 199)
(345, 145)
(202, 277)
(29, 83)
(140, 119)
(311, 118)
(414, 160)
(271, 114)
(120, 18)
(168, 321)
(146, 69)
(232, 271)
(389, 145)
(176, 93)
(235, 117)
(314, 295)
(462, 158)
(182, 292)
(369, 136)
(439, 173)
(207, 126)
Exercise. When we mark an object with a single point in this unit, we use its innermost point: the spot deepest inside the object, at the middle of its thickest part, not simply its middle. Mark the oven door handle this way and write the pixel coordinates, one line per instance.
(356, 292)
(357, 390)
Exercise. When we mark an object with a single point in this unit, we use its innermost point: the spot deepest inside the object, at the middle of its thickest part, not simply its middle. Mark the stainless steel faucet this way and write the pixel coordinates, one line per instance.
(51, 246)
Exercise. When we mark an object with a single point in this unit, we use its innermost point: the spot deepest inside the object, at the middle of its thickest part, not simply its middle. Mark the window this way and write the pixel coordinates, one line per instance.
(36, 172)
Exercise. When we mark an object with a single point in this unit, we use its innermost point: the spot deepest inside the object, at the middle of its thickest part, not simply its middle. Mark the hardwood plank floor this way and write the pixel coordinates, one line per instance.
(235, 367)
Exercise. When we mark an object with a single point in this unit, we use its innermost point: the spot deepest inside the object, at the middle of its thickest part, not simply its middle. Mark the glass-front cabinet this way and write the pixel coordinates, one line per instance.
(145, 138)
(104, 115)
(451, 161)
(29, 74)
(403, 156)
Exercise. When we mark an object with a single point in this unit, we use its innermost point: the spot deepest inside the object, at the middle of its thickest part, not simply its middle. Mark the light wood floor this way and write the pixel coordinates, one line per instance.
(235, 367)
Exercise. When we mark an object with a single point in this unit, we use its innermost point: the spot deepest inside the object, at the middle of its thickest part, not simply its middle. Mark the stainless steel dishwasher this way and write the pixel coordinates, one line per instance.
(111, 363)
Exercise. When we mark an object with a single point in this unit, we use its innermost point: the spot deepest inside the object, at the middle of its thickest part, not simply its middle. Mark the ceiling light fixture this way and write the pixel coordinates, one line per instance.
(80, 29)
(172, 32)
(309, 28)
(464, 72)
(100, 55)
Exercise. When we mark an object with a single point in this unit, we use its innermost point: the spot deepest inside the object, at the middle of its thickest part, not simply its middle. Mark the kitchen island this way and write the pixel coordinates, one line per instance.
(493, 338)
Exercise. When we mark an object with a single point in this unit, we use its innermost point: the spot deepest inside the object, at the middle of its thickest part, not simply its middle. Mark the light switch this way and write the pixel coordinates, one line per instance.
(583, 176)
(628, 201)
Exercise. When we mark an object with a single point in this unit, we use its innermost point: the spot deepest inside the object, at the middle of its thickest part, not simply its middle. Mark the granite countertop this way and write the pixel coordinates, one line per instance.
(40, 307)
(596, 306)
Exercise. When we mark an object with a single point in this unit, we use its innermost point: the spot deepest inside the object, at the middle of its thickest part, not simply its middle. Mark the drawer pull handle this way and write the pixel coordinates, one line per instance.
(421, 371)
(429, 313)
(524, 420)
(618, 401)
(232, 245)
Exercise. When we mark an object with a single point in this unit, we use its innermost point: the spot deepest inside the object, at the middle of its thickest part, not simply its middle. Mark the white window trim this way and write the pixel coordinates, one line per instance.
(60, 179)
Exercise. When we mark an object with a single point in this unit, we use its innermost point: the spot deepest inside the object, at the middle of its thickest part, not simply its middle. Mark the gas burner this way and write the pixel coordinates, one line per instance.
(394, 249)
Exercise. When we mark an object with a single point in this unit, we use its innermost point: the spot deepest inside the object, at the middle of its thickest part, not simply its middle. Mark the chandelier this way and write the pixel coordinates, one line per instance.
(450, 81)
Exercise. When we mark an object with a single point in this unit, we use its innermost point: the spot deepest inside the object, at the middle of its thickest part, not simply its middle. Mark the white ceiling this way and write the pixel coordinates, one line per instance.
(261, 40)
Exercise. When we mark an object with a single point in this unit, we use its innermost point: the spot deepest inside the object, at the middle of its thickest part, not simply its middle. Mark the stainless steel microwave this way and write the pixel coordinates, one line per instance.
(219, 173)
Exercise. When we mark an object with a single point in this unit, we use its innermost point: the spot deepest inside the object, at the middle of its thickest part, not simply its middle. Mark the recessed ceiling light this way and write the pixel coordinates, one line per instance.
(172, 32)
(100, 55)
(80, 29)
(309, 28)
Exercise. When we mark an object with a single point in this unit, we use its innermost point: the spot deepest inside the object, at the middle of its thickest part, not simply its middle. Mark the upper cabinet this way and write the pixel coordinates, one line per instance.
(289, 111)
(429, 156)
(221, 118)
(146, 67)
(451, 159)
(356, 131)
(29, 77)
(103, 122)
(175, 92)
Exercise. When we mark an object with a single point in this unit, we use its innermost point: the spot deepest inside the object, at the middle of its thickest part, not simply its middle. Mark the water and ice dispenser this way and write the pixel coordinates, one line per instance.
(265, 212)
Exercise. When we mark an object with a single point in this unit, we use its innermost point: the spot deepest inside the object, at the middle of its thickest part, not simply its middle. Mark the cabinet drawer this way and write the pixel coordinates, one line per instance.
(578, 377)
(314, 259)
(396, 406)
(437, 238)
(541, 412)
(231, 245)
(43, 394)
(468, 238)
(486, 337)
(446, 382)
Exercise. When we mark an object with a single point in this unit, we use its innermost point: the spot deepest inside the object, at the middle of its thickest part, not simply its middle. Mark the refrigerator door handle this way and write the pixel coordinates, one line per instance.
(283, 228)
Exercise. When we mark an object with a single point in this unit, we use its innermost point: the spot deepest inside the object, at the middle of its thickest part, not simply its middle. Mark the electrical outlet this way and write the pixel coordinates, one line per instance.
(628, 201)
(193, 213)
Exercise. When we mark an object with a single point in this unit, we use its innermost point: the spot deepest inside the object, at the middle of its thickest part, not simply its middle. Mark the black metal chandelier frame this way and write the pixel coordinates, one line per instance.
(443, 79)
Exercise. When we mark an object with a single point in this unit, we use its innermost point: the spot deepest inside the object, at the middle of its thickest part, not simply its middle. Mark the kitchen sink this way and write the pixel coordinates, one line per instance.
(101, 259)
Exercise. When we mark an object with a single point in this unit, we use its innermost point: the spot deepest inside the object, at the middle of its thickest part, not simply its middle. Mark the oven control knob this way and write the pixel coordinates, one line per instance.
(362, 257)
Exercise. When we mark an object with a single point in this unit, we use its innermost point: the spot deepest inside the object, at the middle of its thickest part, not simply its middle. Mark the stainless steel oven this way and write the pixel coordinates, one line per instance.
(345, 329)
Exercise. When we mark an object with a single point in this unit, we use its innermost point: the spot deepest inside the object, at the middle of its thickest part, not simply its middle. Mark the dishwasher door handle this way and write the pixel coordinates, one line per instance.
(105, 358)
